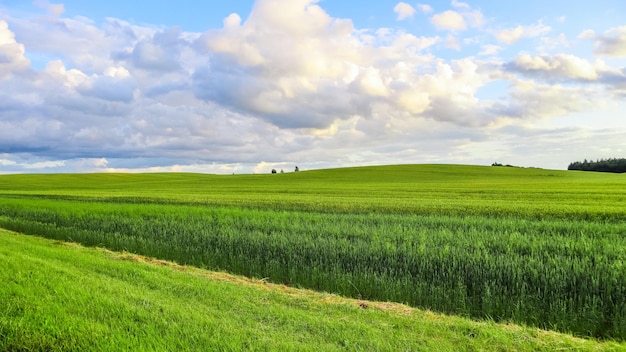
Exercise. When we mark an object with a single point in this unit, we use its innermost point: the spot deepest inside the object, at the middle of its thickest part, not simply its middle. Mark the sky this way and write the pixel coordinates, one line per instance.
(246, 86)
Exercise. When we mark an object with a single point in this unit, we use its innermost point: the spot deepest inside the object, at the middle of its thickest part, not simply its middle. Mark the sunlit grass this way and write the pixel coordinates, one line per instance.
(58, 296)
(540, 247)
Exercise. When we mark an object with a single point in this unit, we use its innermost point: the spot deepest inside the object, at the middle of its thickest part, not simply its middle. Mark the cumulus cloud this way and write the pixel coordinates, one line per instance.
(425, 8)
(552, 43)
(459, 19)
(329, 72)
(12, 57)
(404, 11)
(512, 35)
(565, 67)
(53, 9)
(151, 56)
(533, 100)
(115, 84)
(489, 49)
(449, 20)
(452, 42)
(460, 4)
(611, 43)
(289, 85)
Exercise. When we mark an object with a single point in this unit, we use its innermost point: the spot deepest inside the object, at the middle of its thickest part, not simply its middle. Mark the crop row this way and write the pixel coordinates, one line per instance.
(565, 275)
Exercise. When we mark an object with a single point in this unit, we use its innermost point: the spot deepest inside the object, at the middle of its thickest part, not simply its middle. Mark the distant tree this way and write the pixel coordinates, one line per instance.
(496, 164)
(600, 165)
(273, 171)
(297, 169)
(281, 171)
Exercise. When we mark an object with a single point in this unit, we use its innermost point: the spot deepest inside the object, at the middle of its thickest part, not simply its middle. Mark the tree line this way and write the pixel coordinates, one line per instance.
(602, 165)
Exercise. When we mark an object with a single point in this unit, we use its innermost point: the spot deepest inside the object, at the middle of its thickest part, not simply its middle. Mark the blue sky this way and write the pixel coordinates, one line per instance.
(247, 86)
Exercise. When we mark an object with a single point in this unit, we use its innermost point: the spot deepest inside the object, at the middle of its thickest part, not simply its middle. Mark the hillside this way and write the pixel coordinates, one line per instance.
(61, 296)
(451, 189)
(538, 247)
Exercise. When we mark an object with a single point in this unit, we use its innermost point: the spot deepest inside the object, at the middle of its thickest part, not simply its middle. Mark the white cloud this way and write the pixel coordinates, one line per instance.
(12, 59)
(425, 8)
(44, 164)
(115, 84)
(512, 35)
(232, 21)
(460, 19)
(329, 73)
(566, 67)
(452, 42)
(474, 18)
(611, 43)
(552, 43)
(449, 20)
(53, 9)
(587, 34)
(404, 11)
(289, 85)
(489, 50)
(151, 56)
(537, 100)
(460, 4)
(6, 162)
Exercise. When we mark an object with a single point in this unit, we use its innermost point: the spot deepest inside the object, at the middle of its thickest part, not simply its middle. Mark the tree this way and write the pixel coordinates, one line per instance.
(297, 169)
(273, 171)
(601, 165)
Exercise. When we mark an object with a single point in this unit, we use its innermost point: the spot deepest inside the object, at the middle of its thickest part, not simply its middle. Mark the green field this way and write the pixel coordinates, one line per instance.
(58, 296)
(540, 247)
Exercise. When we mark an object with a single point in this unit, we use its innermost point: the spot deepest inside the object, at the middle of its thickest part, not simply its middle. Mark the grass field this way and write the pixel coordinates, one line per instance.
(539, 247)
(59, 296)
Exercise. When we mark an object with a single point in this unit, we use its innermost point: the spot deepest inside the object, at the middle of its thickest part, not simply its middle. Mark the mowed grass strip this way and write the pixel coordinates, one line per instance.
(58, 296)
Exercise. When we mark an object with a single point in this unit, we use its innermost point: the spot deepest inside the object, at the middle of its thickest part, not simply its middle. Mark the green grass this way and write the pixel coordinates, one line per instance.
(540, 247)
(423, 189)
(63, 297)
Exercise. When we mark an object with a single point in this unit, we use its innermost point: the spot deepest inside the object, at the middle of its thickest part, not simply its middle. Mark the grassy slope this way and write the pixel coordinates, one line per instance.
(58, 296)
(455, 189)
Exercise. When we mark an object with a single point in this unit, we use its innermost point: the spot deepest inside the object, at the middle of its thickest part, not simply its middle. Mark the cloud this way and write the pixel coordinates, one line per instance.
(285, 85)
(152, 56)
(52, 9)
(452, 42)
(533, 100)
(76, 41)
(512, 35)
(564, 67)
(460, 4)
(425, 8)
(489, 49)
(459, 19)
(12, 59)
(404, 11)
(587, 34)
(474, 18)
(611, 43)
(115, 84)
(449, 20)
(329, 73)
(552, 43)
